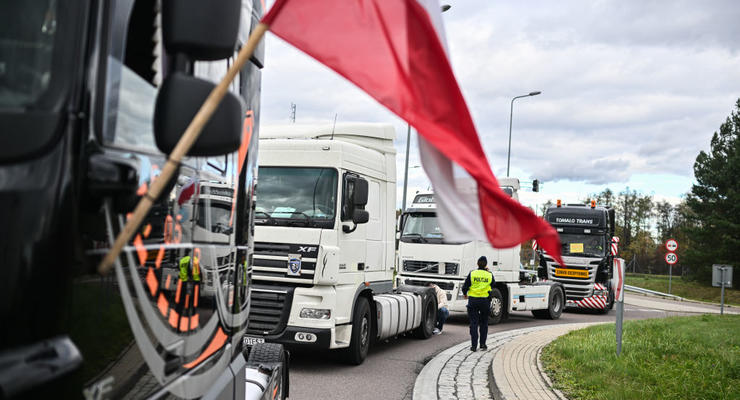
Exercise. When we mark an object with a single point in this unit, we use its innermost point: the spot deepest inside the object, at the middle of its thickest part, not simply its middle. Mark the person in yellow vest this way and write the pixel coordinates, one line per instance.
(477, 289)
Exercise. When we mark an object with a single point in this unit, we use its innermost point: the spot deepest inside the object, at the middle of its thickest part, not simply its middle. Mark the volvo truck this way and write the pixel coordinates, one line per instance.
(586, 232)
(425, 256)
(324, 242)
(93, 96)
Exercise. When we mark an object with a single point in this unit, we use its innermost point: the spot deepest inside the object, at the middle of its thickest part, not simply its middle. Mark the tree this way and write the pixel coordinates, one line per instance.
(715, 201)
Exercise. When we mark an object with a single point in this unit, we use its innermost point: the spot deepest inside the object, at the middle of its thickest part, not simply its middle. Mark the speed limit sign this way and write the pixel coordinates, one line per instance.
(671, 245)
(671, 258)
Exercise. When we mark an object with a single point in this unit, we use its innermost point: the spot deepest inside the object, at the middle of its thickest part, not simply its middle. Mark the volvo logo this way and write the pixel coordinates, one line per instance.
(306, 249)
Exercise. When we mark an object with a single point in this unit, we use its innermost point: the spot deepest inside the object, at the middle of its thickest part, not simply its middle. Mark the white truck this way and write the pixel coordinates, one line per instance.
(324, 241)
(424, 256)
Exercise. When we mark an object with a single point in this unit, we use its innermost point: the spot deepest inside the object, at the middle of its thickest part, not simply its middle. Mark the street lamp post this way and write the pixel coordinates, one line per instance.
(511, 114)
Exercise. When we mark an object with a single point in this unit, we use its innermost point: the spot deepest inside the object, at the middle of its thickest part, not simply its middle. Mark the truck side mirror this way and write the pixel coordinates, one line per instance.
(354, 197)
(179, 100)
(361, 217)
(203, 30)
(359, 197)
(196, 30)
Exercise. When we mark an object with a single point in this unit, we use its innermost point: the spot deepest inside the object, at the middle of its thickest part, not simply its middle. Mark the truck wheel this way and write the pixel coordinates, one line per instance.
(609, 301)
(428, 317)
(554, 305)
(272, 353)
(497, 307)
(266, 352)
(361, 333)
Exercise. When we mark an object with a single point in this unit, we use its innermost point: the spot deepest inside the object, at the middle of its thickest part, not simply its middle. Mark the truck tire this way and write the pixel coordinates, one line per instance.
(361, 333)
(428, 317)
(266, 352)
(609, 302)
(554, 305)
(272, 353)
(497, 307)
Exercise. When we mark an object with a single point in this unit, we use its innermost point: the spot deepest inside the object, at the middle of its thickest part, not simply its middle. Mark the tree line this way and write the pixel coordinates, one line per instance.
(706, 223)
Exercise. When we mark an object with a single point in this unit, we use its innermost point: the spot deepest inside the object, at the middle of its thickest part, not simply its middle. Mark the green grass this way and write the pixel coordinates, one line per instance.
(671, 358)
(684, 288)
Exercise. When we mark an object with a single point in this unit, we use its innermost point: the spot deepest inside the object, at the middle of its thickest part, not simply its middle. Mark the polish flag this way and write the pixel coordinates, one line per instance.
(395, 50)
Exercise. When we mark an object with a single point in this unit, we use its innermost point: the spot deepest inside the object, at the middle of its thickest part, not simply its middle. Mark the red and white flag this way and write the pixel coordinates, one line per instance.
(395, 51)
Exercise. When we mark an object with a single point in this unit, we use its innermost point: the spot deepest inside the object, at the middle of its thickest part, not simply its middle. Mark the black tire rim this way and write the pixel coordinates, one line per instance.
(495, 306)
(364, 331)
(556, 302)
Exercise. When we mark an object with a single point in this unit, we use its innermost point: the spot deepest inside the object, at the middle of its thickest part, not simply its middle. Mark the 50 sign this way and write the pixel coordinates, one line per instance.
(671, 258)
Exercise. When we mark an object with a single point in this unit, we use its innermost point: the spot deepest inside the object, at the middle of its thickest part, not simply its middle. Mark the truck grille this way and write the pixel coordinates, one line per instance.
(430, 267)
(269, 310)
(575, 288)
(270, 263)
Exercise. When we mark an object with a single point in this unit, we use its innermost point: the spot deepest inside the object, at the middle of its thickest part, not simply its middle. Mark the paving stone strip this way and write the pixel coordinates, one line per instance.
(458, 373)
(510, 364)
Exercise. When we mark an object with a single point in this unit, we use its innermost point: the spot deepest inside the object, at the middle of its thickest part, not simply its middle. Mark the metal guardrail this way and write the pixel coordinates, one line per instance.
(652, 292)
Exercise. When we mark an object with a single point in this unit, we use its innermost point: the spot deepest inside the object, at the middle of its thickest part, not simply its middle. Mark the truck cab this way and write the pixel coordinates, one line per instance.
(324, 238)
(586, 232)
(425, 256)
(93, 96)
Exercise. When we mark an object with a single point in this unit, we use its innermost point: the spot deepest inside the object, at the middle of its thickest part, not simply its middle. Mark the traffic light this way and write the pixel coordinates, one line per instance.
(536, 185)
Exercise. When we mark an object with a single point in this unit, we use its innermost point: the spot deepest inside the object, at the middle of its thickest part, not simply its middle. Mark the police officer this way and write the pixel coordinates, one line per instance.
(477, 289)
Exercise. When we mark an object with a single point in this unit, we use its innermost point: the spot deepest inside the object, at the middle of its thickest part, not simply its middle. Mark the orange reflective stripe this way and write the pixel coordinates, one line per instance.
(174, 317)
(160, 256)
(147, 230)
(184, 321)
(195, 297)
(187, 300)
(194, 320)
(218, 341)
(140, 250)
(163, 305)
(151, 281)
(167, 282)
(274, 392)
(177, 293)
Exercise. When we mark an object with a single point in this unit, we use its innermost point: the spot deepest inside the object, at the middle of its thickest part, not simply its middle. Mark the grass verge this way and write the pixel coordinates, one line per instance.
(684, 288)
(670, 358)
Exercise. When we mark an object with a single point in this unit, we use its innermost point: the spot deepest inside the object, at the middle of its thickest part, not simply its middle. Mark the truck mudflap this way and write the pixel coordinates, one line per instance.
(594, 302)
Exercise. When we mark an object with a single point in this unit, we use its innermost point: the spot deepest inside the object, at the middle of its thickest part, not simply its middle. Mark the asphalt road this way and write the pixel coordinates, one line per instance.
(391, 367)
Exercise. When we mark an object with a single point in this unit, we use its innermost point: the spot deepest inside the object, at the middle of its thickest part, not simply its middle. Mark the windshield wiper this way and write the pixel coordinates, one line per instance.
(268, 218)
(415, 235)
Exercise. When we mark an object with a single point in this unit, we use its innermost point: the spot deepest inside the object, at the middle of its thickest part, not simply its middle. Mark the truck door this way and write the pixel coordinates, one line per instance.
(375, 248)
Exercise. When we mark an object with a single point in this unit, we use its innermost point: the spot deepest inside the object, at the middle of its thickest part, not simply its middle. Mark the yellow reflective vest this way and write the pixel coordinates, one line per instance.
(480, 283)
(184, 263)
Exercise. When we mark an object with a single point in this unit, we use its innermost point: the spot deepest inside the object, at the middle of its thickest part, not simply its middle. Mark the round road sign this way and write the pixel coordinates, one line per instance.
(671, 245)
(671, 258)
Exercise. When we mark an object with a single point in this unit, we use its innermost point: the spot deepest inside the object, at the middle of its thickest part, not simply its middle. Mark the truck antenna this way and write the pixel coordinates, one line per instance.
(333, 126)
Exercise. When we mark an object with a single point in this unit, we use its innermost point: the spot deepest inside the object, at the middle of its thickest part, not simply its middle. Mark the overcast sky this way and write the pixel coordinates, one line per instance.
(631, 90)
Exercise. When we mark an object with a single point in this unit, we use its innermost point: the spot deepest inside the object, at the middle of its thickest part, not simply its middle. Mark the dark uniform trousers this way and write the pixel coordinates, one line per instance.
(478, 309)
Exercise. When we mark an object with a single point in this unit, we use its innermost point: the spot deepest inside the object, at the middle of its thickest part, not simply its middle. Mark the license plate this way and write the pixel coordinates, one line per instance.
(251, 341)
(571, 273)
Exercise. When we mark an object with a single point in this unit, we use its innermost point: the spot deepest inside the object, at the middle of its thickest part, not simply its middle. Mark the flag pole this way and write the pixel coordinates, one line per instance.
(183, 146)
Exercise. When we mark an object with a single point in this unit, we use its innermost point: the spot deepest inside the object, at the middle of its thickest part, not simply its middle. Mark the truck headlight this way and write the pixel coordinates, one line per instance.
(600, 292)
(315, 313)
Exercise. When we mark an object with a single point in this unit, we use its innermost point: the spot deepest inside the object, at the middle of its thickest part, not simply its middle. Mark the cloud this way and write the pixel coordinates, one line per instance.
(628, 88)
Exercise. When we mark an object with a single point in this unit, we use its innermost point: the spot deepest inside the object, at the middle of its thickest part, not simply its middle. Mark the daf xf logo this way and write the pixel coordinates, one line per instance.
(306, 249)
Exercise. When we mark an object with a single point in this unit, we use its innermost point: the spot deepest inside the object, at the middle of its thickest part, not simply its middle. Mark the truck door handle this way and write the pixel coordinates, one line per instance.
(32, 366)
(360, 266)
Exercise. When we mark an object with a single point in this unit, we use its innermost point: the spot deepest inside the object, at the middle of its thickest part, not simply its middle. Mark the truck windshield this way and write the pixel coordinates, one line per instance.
(296, 197)
(579, 245)
(422, 228)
